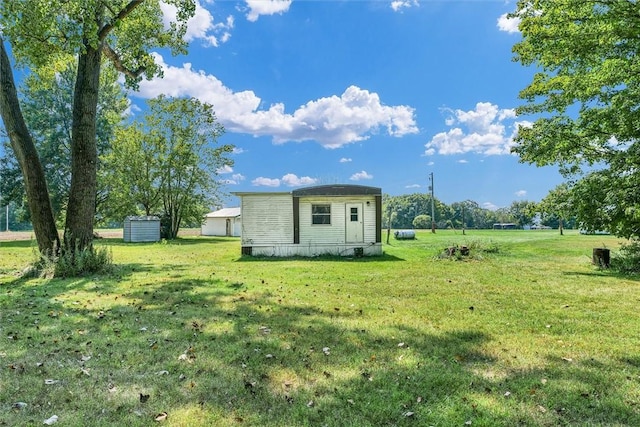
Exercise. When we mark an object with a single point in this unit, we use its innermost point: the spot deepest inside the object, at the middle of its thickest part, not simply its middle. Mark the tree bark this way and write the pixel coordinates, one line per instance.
(78, 232)
(44, 225)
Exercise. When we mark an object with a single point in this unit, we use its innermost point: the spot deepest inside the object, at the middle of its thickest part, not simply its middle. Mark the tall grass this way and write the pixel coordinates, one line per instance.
(528, 333)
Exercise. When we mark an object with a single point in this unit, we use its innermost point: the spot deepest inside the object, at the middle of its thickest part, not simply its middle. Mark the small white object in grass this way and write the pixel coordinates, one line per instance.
(325, 350)
(51, 420)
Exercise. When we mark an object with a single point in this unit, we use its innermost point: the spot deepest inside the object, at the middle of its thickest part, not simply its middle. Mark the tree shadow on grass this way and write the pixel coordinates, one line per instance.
(179, 241)
(333, 258)
(18, 244)
(604, 273)
(210, 352)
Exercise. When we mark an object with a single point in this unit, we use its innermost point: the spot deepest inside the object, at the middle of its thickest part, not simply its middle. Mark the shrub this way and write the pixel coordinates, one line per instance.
(628, 259)
(74, 264)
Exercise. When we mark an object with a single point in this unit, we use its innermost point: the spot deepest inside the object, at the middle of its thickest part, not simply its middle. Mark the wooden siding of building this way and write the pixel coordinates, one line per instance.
(267, 220)
(335, 232)
(280, 224)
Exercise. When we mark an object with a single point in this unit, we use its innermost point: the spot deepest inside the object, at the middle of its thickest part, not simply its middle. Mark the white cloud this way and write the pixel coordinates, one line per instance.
(345, 160)
(292, 180)
(266, 7)
(508, 25)
(481, 130)
(331, 121)
(399, 5)
(237, 150)
(430, 163)
(463, 161)
(235, 178)
(412, 186)
(360, 176)
(201, 25)
(490, 206)
(226, 169)
(521, 193)
(266, 182)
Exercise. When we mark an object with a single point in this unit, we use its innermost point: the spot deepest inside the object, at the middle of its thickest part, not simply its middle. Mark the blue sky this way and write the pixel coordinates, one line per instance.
(378, 93)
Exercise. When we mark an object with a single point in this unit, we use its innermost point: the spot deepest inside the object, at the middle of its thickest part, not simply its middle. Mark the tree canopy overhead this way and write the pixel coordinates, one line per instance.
(586, 92)
(45, 34)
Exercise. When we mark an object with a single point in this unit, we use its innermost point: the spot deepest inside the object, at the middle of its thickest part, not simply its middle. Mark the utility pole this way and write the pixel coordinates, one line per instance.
(463, 203)
(433, 210)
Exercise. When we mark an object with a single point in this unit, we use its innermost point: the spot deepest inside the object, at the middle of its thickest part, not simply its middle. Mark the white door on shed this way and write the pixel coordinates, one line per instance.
(354, 223)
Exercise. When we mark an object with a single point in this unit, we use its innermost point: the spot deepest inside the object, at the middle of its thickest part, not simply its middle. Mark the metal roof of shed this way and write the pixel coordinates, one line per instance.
(224, 213)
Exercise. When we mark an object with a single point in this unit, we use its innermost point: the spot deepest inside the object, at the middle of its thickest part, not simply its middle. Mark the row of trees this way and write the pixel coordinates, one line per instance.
(46, 36)
(67, 140)
(163, 164)
(414, 211)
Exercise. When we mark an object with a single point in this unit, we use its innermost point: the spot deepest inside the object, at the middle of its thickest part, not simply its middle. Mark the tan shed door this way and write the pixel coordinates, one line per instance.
(354, 223)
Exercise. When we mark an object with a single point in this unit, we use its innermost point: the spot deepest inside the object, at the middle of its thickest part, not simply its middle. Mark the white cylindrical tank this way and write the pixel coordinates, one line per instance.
(405, 234)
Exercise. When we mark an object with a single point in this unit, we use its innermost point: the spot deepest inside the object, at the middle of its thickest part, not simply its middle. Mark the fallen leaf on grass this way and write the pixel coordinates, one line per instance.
(161, 416)
(409, 414)
(567, 359)
(51, 420)
(144, 398)
(51, 382)
(325, 350)
(265, 330)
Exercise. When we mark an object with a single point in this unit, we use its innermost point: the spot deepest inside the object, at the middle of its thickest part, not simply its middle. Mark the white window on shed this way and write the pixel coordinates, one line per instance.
(321, 214)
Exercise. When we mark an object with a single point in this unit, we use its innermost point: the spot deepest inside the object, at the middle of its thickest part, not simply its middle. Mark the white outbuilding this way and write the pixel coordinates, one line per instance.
(223, 222)
(326, 219)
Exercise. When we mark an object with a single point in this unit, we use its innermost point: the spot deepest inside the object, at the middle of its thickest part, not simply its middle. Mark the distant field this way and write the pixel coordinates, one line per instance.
(524, 331)
(113, 233)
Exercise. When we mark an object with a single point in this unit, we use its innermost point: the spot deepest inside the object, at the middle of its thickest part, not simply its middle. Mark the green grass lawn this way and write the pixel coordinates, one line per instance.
(524, 331)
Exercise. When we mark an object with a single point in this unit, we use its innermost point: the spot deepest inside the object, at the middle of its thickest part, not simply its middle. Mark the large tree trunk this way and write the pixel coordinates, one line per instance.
(78, 232)
(44, 225)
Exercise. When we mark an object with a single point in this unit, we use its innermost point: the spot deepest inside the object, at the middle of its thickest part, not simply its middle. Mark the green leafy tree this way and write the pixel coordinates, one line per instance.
(522, 212)
(422, 222)
(47, 103)
(167, 164)
(586, 92)
(46, 33)
(557, 206)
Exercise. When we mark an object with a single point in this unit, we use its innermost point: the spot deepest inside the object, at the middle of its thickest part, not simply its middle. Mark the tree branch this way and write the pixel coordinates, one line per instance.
(117, 63)
(104, 31)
